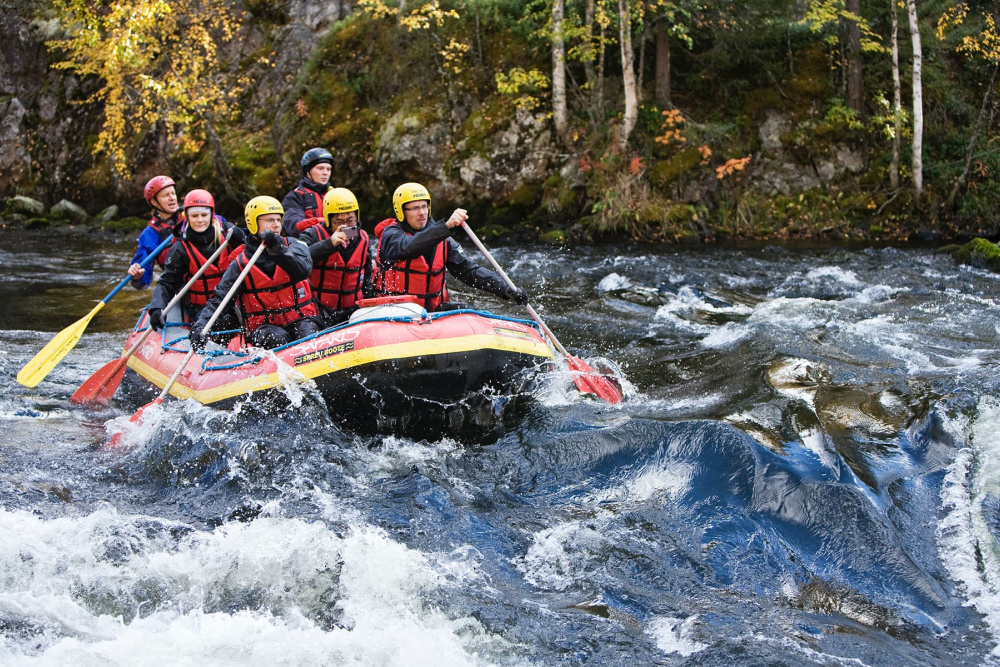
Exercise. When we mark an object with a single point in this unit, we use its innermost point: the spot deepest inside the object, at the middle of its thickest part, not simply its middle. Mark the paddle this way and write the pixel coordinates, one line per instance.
(42, 363)
(102, 385)
(117, 437)
(587, 379)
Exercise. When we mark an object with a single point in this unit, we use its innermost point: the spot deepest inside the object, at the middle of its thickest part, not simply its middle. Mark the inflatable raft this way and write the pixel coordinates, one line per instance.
(390, 367)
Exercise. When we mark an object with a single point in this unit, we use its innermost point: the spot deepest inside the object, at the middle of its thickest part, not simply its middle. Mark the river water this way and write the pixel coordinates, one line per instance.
(806, 472)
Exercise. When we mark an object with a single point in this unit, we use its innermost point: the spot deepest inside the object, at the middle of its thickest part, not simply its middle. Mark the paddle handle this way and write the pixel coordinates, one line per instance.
(144, 263)
(503, 274)
(173, 378)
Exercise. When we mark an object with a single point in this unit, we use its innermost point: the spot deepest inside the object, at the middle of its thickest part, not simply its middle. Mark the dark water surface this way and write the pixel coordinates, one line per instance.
(806, 472)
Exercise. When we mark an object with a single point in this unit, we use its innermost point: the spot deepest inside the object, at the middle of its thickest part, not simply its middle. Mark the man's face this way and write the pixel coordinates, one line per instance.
(199, 218)
(349, 219)
(320, 173)
(416, 212)
(269, 222)
(166, 200)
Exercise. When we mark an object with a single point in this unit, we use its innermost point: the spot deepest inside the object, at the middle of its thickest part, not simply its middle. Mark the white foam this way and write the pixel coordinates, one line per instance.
(652, 481)
(964, 530)
(243, 594)
(843, 276)
(613, 282)
(673, 635)
(557, 556)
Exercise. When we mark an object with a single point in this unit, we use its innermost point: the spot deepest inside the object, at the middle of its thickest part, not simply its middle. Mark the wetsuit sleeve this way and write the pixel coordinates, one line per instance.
(238, 239)
(173, 278)
(398, 246)
(226, 284)
(471, 273)
(294, 214)
(294, 259)
(318, 250)
(147, 243)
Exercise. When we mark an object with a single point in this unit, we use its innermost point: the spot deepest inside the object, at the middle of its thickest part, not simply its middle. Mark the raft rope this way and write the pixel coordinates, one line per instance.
(210, 355)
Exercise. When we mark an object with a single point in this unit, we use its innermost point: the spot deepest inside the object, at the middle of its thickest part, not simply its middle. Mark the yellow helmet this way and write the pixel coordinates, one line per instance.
(406, 193)
(259, 206)
(339, 200)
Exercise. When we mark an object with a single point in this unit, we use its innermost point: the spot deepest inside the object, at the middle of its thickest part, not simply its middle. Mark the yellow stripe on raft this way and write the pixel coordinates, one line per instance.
(340, 362)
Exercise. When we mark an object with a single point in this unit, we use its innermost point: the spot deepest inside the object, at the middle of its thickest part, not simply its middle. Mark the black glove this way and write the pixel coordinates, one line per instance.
(517, 295)
(197, 338)
(156, 318)
(271, 241)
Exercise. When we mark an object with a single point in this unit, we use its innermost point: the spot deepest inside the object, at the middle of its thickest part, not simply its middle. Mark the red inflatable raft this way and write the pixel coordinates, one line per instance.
(392, 356)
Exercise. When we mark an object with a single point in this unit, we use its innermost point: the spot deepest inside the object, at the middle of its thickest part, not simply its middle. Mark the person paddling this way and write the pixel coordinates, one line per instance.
(160, 193)
(304, 205)
(342, 263)
(415, 252)
(201, 234)
(274, 299)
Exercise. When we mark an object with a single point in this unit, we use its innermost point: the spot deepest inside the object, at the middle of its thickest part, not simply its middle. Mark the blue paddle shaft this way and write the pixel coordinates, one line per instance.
(144, 263)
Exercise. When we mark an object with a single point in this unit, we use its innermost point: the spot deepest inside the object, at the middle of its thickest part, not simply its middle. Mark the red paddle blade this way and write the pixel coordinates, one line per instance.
(116, 439)
(102, 385)
(590, 381)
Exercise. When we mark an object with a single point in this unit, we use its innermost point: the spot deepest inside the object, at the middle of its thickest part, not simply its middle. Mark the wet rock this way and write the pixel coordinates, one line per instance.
(108, 214)
(25, 205)
(67, 209)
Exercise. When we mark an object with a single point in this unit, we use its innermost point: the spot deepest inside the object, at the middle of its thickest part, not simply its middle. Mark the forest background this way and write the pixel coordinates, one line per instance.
(694, 120)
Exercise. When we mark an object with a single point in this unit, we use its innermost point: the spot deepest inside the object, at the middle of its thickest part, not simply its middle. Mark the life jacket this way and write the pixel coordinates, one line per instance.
(335, 283)
(316, 211)
(202, 288)
(415, 276)
(272, 300)
(163, 228)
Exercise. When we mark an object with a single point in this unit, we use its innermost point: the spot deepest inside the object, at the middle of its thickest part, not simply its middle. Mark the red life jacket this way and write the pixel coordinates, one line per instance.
(336, 284)
(415, 276)
(202, 289)
(164, 228)
(317, 210)
(277, 300)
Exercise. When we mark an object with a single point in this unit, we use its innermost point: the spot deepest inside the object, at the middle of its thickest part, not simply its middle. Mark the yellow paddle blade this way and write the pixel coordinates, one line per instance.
(42, 363)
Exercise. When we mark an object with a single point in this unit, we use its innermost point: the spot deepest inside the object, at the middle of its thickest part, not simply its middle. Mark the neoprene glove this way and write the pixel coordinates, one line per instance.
(156, 318)
(271, 241)
(197, 338)
(517, 295)
(307, 223)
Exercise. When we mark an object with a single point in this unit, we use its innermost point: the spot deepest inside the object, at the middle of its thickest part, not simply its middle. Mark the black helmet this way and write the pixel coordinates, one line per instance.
(313, 157)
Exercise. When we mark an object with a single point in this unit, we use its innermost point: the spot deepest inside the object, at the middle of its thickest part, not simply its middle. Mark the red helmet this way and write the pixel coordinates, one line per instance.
(154, 186)
(199, 198)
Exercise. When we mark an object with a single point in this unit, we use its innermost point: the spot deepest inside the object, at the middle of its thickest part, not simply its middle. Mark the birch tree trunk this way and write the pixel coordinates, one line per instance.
(897, 101)
(918, 101)
(559, 114)
(628, 72)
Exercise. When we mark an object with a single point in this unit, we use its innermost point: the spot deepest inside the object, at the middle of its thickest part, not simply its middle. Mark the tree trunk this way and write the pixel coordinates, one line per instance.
(855, 81)
(599, 83)
(662, 73)
(641, 74)
(918, 102)
(897, 102)
(976, 129)
(559, 114)
(628, 72)
(588, 44)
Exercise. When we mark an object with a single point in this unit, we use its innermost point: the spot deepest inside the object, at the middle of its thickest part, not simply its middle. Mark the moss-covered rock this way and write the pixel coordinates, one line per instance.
(978, 252)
